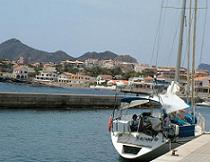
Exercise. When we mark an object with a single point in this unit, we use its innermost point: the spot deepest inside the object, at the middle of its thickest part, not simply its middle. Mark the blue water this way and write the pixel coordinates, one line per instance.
(55, 136)
(58, 136)
(9, 87)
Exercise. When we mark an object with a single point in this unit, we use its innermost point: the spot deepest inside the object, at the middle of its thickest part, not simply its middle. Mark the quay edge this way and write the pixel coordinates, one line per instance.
(196, 150)
(11, 100)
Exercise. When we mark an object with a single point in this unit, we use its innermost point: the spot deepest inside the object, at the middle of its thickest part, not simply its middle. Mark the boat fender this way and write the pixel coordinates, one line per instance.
(176, 130)
(110, 123)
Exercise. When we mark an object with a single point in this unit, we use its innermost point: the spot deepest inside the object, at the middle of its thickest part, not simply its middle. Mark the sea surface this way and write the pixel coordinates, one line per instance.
(59, 136)
(20, 87)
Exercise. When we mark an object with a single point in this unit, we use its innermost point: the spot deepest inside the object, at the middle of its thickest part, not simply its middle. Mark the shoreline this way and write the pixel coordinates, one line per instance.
(40, 84)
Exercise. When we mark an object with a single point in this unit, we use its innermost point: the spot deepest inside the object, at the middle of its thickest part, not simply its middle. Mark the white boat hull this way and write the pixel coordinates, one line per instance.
(206, 104)
(148, 153)
(103, 87)
(145, 153)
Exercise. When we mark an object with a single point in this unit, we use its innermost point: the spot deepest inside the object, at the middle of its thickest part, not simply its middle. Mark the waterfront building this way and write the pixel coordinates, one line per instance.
(201, 73)
(46, 77)
(6, 75)
(75, 79)
(202, 86)
(20, 72)
(169, 73)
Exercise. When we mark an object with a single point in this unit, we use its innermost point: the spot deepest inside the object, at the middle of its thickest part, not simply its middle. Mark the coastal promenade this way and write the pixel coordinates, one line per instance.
(197, 150)
(21, 100)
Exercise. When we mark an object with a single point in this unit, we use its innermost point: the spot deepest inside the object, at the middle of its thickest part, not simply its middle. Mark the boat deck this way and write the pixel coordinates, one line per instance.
(193, 151)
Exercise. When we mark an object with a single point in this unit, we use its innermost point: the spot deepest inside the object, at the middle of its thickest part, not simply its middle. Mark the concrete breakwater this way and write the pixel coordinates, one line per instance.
(55, 101)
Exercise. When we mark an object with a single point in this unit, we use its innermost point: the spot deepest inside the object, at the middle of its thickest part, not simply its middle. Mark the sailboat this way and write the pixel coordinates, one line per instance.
(147, 134)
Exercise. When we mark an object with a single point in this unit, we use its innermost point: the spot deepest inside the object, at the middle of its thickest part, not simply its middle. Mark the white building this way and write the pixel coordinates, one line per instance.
(73, 79)
(20, 72)
(91, 62)
(46, 77)
(73, 63)
(202, 85)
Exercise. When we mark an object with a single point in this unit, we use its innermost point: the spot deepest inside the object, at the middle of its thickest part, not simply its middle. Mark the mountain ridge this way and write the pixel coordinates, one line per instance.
(204, 66)
(13, 49)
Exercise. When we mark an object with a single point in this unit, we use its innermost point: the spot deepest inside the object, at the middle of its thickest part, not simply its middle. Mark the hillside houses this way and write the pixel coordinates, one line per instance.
(73, 73)
(75, 79)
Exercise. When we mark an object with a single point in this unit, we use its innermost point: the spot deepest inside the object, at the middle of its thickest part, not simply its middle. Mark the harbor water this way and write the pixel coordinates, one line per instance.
(59, 136)
(9, 87)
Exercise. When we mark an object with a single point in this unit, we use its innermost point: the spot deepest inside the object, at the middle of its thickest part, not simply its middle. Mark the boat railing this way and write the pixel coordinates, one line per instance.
(121, 126)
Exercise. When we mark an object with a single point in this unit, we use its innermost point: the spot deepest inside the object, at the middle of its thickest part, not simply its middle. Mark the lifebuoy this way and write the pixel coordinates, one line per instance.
(110, 123)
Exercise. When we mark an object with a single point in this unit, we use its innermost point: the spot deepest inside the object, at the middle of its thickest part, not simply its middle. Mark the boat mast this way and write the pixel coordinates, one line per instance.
(179, 55)
(193, 57)
(188, 51)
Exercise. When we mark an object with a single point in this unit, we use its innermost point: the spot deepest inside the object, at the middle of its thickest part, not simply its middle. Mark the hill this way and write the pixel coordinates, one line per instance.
(203, 66)
(13, 49)
(106, 56)
(126, 58)
(100, 56)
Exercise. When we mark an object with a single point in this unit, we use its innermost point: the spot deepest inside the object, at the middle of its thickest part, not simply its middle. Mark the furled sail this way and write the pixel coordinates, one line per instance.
(170, 101)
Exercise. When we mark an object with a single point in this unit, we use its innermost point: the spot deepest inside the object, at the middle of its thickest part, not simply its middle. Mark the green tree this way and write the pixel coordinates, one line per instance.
(59, 68)
(131, 74)
(38, 68)
(149, 72)
(97, 70)
(116, 71)
(71, 69)
(93, 71)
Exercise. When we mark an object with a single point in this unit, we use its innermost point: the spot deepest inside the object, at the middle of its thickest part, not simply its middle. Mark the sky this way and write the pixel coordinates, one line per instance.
(140, 28)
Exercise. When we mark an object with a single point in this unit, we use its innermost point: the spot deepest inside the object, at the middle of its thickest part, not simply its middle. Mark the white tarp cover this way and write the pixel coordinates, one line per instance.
(170, 101)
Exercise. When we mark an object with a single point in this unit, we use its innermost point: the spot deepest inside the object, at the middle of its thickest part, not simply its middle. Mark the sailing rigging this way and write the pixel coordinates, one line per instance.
(150, 134)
